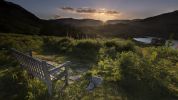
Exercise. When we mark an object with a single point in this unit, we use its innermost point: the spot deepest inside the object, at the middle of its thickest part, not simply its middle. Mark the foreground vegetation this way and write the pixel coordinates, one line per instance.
(130, 72)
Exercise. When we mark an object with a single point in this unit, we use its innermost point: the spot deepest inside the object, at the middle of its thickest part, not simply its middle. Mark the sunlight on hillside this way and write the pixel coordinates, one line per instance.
(104, 16)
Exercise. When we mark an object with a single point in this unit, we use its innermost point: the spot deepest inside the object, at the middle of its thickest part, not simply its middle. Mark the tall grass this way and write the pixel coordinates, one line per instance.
(137, 73)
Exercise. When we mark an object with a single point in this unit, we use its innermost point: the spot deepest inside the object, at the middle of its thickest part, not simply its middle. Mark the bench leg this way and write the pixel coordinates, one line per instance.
(49, 88)
(30, 75)
(66, 76)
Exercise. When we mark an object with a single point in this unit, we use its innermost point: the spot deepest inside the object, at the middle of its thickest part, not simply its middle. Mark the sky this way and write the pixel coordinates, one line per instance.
(98, 9)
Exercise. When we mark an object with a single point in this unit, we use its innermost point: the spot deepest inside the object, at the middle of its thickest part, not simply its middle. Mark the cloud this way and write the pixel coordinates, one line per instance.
(91, 13)
(67, 9)
(57, 16)
(112, 12)
(86, 10)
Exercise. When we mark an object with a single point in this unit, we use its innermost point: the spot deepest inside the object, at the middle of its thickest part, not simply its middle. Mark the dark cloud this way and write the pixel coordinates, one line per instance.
(57, 16)
(86, 10)
(89, 10)
(112, 12)
(68, 9)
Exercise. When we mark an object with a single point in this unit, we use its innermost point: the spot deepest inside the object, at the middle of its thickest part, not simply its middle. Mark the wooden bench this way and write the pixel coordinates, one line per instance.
(41, 69)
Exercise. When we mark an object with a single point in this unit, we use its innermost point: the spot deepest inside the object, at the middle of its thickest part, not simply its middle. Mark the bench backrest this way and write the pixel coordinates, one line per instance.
(34, 66)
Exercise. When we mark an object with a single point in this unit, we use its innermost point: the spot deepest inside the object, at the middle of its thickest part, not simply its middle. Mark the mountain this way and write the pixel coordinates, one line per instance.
(167, 22)
(171, 17)
(164, 25)
(14, 18)
(118, 21)
(78, 22)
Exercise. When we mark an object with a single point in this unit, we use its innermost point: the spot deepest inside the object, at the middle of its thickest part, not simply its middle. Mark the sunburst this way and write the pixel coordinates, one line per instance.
(103, 16)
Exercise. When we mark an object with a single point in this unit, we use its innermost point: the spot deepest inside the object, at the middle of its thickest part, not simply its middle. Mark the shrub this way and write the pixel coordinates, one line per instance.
(120, 45)
(57, 45)
(5, 58)
(13, 84)
(146, 75)
(22, 43)
(108, 68)
(86, 49)
(113, 47)
(131, 70)
(65, 45)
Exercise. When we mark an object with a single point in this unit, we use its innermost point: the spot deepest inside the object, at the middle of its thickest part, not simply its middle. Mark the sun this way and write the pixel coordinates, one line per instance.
(103, 16)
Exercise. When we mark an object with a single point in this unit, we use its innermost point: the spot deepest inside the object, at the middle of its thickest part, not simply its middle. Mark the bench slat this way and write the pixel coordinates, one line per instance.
(41, 69)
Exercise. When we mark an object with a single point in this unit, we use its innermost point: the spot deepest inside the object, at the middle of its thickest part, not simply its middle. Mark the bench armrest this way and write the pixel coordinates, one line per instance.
(56, 69)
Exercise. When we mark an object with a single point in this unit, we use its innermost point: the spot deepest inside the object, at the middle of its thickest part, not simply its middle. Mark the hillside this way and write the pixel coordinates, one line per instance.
(167, 17)
(14, 18)
(129, 71)
(24, 22)
(163, 25)
(119, 21)
(78, 22)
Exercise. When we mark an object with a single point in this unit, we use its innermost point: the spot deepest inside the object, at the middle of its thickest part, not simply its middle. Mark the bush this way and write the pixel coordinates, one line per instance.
(146, 75)
(109, 69)
(113, 47)
(5, 58)
(19, 42)
(150, 73)
(13, 85)
(120, 45)
(86, 49)
(57, 45)
(65, 45)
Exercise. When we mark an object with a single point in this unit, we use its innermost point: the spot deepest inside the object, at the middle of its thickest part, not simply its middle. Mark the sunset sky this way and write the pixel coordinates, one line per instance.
(98, 9)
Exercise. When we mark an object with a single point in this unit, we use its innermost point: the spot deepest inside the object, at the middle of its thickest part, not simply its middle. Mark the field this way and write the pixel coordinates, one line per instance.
(130, 71)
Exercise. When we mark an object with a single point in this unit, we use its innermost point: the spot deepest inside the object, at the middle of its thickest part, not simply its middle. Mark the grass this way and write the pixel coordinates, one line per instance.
(130, 72)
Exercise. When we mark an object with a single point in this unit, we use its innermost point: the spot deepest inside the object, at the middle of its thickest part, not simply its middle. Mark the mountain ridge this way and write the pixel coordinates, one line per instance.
(13, 17)
(78, 22)
(16, 19)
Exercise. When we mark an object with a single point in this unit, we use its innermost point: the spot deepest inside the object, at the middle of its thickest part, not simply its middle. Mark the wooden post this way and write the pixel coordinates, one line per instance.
(30, 73)
(30, 53)
(47, 77)
(66, 76)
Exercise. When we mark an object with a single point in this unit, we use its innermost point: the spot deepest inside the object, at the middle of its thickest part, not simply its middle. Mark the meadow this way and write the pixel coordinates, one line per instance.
(130, 71)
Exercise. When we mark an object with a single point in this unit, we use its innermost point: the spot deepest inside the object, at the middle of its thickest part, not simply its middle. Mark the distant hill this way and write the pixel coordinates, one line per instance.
(78, 22)
(15, 19)
(171, 17)
(118, 21)
(164, 25)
